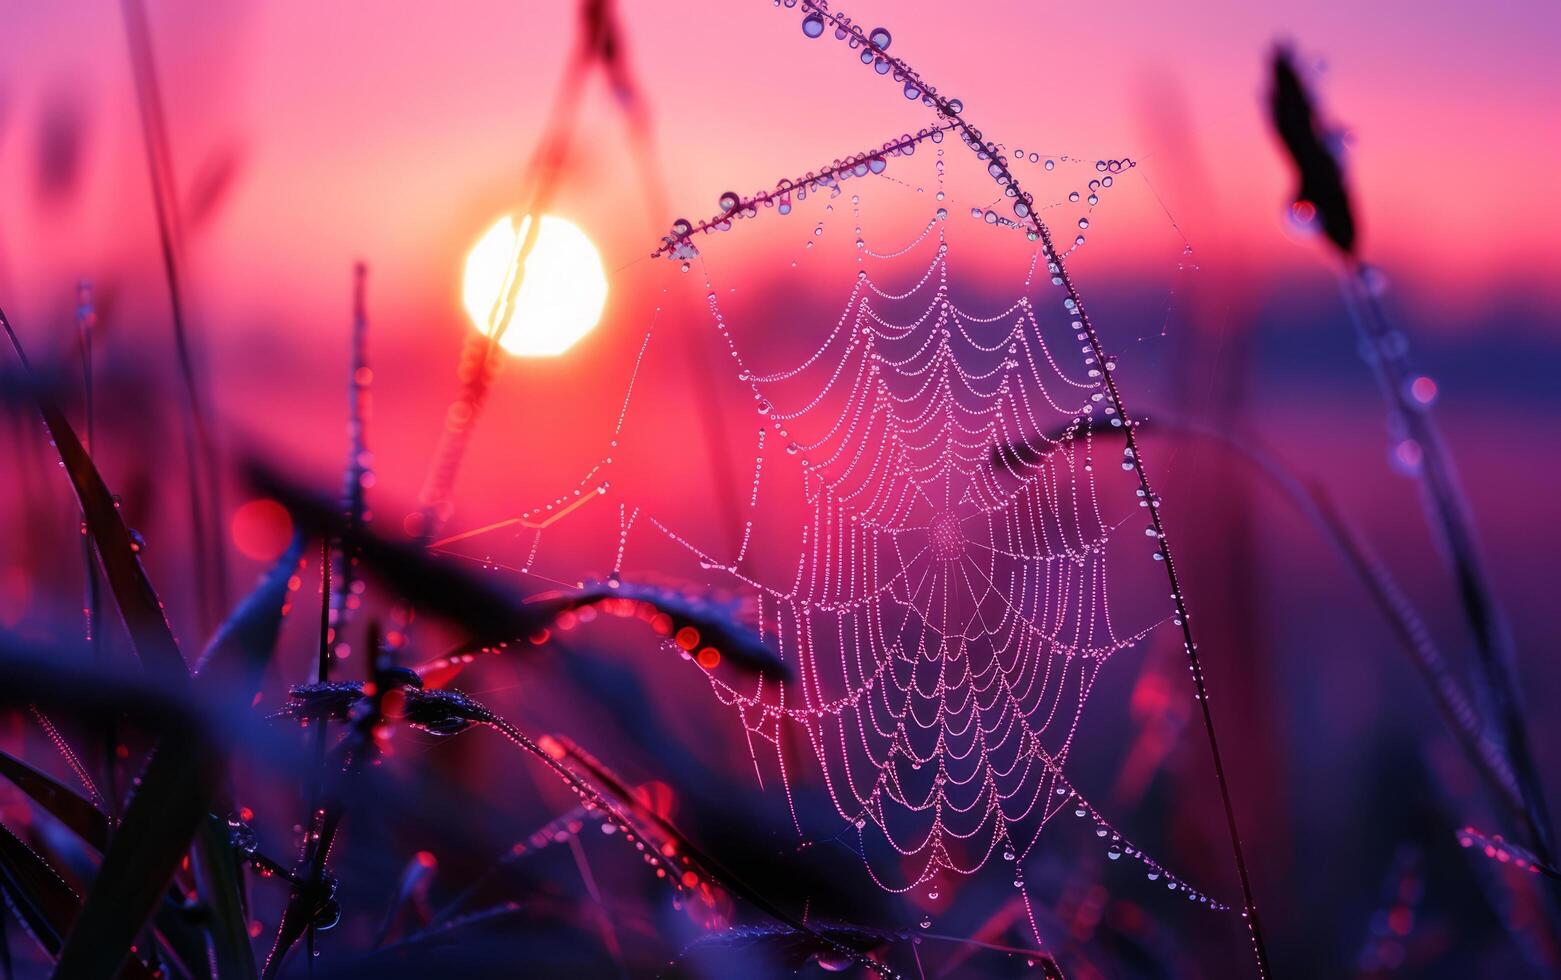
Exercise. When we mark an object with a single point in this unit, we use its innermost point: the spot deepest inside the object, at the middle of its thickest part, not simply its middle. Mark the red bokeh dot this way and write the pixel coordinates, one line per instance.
(261, 529)
(1401, 920)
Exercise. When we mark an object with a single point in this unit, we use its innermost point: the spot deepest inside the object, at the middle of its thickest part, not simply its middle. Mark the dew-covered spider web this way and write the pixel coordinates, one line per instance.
(950, 605)
(945, 507)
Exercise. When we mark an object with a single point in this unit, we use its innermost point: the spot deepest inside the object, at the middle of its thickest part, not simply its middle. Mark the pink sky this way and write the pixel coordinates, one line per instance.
(397, 134)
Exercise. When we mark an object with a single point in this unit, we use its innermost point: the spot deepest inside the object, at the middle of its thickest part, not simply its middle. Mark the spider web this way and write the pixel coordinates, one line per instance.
(948, 601)
(948, 609)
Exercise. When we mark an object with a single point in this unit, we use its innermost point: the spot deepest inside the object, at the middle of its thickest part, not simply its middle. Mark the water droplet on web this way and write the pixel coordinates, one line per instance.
(880, 38)
(813, 25)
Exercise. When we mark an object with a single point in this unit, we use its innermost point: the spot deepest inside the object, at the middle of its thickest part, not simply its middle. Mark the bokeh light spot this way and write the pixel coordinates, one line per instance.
(261, 529)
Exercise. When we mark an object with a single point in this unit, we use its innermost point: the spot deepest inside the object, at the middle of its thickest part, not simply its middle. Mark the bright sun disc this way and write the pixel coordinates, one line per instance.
(561, 297)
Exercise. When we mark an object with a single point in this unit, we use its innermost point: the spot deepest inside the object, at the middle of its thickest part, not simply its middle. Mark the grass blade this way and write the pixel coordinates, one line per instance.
(171, 799)
(133, 592)
(60, 801)
(235, 659)
(41, 899)
(217, 878)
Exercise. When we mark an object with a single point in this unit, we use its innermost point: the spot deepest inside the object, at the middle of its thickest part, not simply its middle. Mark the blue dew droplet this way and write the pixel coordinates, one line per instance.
(813, 25)
(911, 91)
(880, 38)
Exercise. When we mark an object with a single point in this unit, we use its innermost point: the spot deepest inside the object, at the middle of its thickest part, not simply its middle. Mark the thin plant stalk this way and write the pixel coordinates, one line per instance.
(200, 452)
(86, 322)
(1150, 501)
(1452, 701)
(1420, 446)
(356, 475)
(1447, 510)
(478, 364)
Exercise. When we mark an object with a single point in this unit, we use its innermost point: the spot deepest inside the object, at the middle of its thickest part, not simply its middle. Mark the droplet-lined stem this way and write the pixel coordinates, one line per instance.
(1447, 509)
(593, 796)
(951, 111)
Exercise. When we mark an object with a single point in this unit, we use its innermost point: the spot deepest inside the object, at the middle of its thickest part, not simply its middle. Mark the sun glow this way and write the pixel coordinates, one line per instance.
(559, 300)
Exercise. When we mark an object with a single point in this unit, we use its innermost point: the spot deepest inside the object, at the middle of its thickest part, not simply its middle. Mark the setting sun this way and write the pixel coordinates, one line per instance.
(559, 300)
